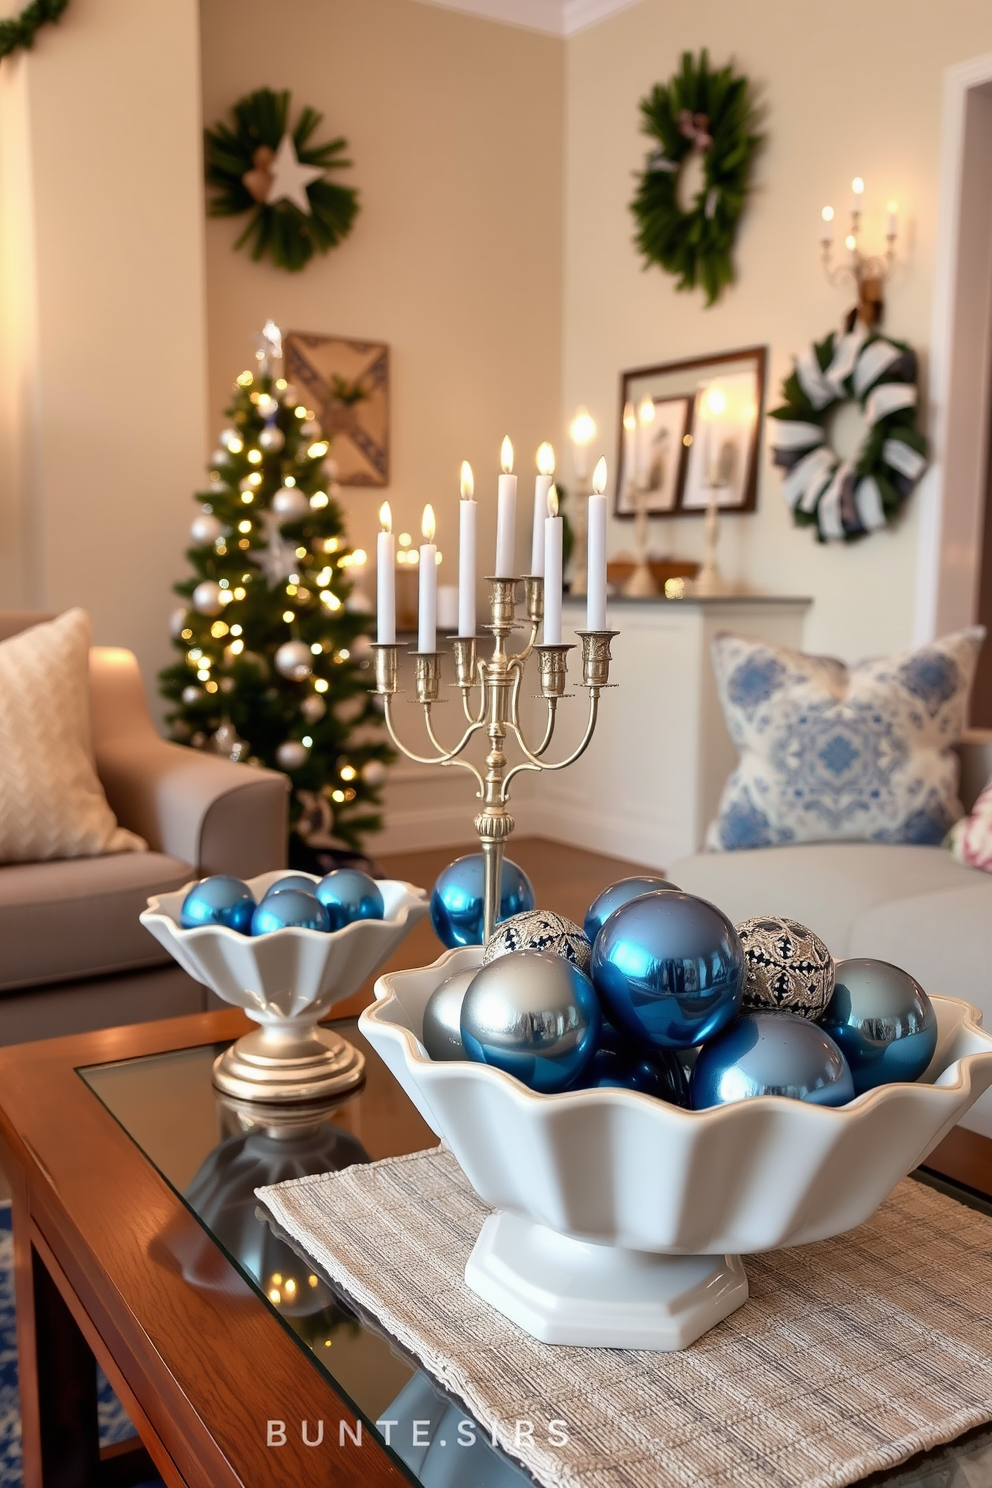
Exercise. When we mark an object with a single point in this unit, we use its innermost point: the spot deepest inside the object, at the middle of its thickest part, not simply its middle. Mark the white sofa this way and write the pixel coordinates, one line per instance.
(914, 906)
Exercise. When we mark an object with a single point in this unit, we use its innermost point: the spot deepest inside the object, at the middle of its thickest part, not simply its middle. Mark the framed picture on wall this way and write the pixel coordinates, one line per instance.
(699, 434)
(346, 384)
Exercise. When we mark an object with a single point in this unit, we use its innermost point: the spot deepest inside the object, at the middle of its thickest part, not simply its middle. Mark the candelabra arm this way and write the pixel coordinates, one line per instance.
(474, 718)
(534, 763)
(444, 757)
(551, 702)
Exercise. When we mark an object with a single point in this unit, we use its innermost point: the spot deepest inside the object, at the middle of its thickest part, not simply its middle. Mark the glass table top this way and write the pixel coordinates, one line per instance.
(214, 1152)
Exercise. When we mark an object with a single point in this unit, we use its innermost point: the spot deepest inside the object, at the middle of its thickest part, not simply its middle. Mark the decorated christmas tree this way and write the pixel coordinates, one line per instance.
(274, 652)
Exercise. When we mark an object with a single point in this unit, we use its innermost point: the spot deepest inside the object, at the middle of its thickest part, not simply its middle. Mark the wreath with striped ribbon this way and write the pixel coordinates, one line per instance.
(847, 499)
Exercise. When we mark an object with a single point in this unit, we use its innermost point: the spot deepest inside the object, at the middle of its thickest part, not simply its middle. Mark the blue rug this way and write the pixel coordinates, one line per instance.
(114, 1424)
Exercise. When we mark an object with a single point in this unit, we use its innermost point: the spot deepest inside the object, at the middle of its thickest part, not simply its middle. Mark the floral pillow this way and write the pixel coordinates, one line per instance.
(837, 753)
(970, 839)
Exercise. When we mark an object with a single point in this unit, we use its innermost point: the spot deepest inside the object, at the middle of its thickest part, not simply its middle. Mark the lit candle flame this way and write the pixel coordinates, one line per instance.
(599, 475)
(545, 459)
(427, 525)
(385, 517)
(467, 482)
(629, 417)
(582, 429)
(645, 411)
(857, 186)
(827, 214)
(850, 242)
(552, 501)
(716, 401)
(506, 456)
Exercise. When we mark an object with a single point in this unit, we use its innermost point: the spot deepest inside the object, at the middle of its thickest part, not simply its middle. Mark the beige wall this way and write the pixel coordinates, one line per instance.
(455, 128)
(102, 375)
(849, 89)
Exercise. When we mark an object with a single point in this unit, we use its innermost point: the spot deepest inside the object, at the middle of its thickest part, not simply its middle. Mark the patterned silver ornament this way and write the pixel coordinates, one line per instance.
(539, 930)
(789, 969)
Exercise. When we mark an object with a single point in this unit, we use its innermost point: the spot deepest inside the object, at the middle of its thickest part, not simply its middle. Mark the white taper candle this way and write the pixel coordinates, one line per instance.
(542, 485)
(467, 510)
(385, 575)
(427, 613)
(506, 515)
(596, 549)
(552, 571)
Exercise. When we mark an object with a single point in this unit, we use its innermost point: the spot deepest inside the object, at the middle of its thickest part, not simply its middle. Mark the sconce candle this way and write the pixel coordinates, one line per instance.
(582, 432)
(892, 220)
(645, 417)
(427, 632)
(596, 565)
(506, 514)
(630, 442)
(552, 571)
(542, 485)
(385, 555)
(467, 509)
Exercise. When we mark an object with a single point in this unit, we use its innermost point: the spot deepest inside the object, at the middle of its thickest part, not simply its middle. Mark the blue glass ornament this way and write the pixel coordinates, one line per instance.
(291, 881)
(771, 1054)
(659, 1073)
(458, 904)
(669, 969)
(534, 1015)
(348, 895)
(619, 893)
(221, 900)
(442, 1027)
(290, 909)
(883, 1021)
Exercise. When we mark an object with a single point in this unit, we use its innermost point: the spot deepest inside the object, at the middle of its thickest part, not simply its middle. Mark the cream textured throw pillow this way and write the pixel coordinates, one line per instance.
(51, 803)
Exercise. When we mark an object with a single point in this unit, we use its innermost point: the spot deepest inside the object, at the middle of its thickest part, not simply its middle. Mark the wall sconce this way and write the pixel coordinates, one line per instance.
(868, 271)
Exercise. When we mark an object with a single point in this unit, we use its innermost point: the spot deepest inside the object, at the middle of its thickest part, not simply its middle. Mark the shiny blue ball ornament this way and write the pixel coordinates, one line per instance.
(619, 893)
(669, 969)
(534, 1015)
(291, 881)
(349, 895)
(220, 900)
(292, 909)
(771, 1054)
(659, 1074)
(458, 902)
(883, 1021)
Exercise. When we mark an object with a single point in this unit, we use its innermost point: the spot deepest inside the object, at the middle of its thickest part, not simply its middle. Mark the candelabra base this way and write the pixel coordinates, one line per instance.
(289, 1065)
(641, 584)
(709, 583)
(568, 1291)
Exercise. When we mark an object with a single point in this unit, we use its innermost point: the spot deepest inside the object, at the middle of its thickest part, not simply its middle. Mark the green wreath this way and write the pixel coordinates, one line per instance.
(846, 499)
(246, 165)
(20, 30)
(712, 113)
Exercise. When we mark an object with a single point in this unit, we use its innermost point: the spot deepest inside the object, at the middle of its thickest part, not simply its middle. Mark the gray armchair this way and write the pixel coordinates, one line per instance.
(72, 954)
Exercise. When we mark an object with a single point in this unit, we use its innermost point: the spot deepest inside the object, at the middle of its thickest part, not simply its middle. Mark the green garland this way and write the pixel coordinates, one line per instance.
(712, 112)
(20, 31)
(290, 236)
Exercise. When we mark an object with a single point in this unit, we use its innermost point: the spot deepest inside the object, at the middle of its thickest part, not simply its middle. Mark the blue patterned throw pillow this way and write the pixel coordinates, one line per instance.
(837, 753)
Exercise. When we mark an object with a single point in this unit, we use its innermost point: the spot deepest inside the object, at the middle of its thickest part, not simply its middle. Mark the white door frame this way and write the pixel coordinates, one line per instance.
(952, 492)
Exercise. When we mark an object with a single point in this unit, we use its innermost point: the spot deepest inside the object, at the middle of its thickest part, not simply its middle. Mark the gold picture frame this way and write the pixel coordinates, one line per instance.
(346, 383)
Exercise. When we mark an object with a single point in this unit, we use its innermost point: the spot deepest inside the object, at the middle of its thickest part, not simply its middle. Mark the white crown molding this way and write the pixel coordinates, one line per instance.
(553, 17)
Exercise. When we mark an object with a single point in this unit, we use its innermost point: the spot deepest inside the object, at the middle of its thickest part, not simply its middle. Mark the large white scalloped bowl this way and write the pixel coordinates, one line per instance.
(622, 1169)
(287, 974)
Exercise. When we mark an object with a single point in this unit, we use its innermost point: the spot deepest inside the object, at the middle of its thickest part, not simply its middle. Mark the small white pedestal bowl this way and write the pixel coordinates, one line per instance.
(621, 1219)
(286, 981)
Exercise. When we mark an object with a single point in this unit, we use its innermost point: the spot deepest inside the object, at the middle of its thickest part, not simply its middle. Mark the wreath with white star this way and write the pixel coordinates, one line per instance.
(710, 113)
(262, 166)
(847, 499)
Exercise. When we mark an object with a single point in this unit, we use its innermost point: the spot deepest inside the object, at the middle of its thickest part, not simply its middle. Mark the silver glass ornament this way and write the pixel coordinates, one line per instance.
(271, 439)
(290, 504)
(442, 1033)
(669, 968)
(177, 623)
(539, 930)
(534, 1016)
(207, 597)
(771, 1054)
(206, 528)
(293, 660)
(883, 1021)
(292, 909)
(192, 694)
(789, 969)
(374, 772)
(292, 754)
(619, 893)
(313, 708)
(227, 437)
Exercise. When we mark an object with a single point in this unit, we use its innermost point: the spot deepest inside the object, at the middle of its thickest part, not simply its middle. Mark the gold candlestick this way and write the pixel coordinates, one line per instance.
(496, 710)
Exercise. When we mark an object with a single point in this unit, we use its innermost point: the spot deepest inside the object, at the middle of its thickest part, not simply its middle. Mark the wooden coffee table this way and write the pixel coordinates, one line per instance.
(137, 1244)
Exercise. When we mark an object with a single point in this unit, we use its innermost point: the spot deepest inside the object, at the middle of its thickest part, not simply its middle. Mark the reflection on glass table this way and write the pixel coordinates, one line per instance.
(215, 1151)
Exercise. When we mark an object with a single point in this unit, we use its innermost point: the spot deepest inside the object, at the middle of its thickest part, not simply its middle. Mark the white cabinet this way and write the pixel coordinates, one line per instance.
(651, 778)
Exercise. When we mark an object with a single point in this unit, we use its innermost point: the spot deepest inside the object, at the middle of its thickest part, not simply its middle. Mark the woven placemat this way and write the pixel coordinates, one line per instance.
(851, 1355)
